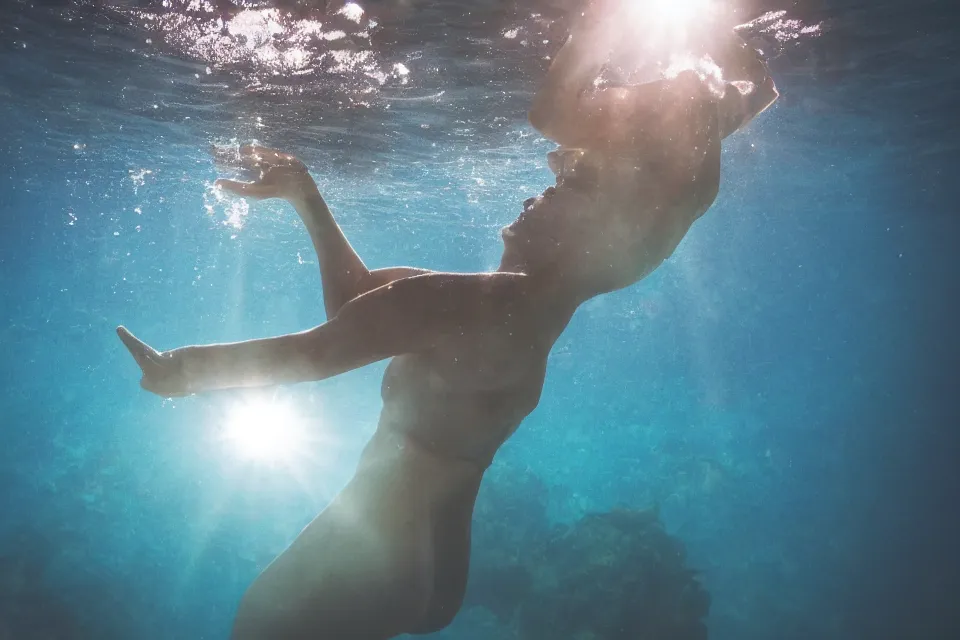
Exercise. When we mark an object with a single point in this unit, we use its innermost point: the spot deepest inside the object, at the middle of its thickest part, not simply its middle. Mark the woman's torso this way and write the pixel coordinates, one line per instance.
(467, 395)
(462, 399)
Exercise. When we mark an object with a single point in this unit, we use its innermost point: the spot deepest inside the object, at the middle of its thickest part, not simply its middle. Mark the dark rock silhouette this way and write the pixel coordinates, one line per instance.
(34, 606)
(609, 576)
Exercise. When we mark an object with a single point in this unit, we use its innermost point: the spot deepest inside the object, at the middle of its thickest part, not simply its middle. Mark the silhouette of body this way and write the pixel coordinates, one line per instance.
(635, 168)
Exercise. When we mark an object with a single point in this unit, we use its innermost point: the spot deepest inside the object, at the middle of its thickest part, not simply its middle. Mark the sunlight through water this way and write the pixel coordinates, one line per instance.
(268, 46)
(674, 13)
(670, 21)
(266, 431)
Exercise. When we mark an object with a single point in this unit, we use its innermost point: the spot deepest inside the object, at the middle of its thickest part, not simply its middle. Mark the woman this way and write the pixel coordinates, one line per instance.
(636, 167)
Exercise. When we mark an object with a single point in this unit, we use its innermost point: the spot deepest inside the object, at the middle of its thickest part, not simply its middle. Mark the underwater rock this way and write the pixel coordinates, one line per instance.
(613, 576)
(35, 606)
(609, 576)
(509, 516)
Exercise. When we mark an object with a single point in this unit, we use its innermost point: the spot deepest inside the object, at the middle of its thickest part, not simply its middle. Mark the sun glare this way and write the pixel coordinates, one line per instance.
(677, 13)
(670, 20)
(266, 431)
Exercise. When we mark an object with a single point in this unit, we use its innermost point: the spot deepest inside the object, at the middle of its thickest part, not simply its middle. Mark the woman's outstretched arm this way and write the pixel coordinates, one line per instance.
(406, 316)
(308, 355)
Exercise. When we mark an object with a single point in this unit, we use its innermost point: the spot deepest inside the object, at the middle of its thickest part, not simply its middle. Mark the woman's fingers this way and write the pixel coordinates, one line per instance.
(254, 158)
(262, 170)
(147, 357)
(226, 156)
(263, 154)
(158, 377)
(253, 161)
(246, 159)
(246, 189)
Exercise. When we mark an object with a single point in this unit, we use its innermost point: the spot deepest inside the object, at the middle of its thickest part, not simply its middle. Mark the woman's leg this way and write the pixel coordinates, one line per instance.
(451, 542)
(362, 570)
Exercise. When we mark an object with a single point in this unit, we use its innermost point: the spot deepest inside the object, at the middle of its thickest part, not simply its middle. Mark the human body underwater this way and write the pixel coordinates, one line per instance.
(635, 168)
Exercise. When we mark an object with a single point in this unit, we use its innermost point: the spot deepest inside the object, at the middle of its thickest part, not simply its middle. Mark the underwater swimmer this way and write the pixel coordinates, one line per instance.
(635, 168)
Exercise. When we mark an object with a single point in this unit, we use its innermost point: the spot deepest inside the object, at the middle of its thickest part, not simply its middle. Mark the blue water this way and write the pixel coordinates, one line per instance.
(784, 387)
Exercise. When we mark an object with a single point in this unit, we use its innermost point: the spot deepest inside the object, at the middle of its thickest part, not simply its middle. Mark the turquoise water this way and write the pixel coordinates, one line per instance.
(779, 388)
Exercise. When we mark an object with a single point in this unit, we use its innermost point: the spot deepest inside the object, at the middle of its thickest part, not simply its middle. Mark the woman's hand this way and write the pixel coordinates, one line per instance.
(737, 59)
(162, 372)
(272, 174)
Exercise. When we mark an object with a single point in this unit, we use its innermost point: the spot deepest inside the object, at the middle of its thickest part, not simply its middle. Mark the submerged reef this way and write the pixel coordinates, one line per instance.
(609, 576)
(34, 605)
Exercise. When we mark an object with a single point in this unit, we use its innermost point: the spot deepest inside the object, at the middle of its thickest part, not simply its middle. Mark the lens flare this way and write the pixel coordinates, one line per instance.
(266, 431)
(671, 19)
(665, 34)
(677, 12)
